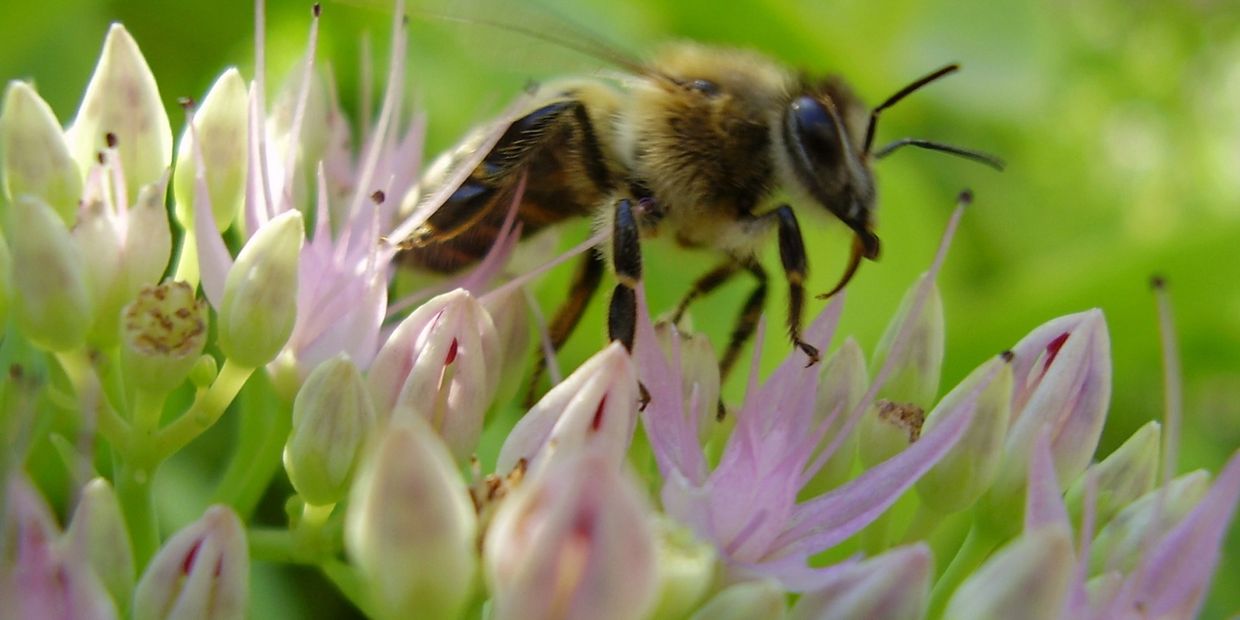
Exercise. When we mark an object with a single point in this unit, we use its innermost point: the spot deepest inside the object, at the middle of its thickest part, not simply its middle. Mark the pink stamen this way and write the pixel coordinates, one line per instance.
(452, 349)
(1052, 350)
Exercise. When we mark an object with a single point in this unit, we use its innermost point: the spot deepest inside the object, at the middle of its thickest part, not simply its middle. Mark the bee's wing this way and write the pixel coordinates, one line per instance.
(485, 26)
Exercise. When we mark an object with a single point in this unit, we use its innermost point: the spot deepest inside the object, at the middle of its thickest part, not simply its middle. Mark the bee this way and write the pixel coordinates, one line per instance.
(692, 146)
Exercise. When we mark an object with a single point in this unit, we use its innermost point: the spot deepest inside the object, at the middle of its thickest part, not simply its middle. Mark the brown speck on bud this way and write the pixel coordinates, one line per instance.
(378, 197)
(904, 416)
(1008, 356)
(99, 157)
(316, 10)
(186, 103)
(163, 317)
(965, 198)
(163, 332)
(110, 139)
(16, 372)
(1158, 282)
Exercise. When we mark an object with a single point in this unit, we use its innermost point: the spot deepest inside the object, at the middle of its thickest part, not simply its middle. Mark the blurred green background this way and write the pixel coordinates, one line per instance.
(1120, 121)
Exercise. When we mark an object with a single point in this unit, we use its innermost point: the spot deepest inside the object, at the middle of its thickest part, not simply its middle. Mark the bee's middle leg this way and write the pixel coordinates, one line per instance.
(627, 262)
(706, 284)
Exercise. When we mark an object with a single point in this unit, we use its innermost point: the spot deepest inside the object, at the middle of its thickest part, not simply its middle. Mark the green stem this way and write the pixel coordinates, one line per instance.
(133, 490)
(975, 549)
(205, 411)
(90, 396)
(148, 408)
(257, 458)
(350, 584)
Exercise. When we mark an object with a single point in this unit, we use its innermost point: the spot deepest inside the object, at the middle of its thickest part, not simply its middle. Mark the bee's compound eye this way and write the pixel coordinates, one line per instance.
(706, 87)
(816, 129)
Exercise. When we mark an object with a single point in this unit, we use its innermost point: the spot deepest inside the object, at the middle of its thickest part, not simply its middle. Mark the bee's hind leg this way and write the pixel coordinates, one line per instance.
(585, 284)
(705, 285)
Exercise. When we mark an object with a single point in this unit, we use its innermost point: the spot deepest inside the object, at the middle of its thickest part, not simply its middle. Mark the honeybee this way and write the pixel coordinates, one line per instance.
(692, 146)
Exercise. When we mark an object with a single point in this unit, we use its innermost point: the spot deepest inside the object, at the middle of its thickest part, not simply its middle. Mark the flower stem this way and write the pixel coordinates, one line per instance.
(205, 411)
(256, 459)
(973, 551)
(133, 490)
(90, 396)
(350, 584)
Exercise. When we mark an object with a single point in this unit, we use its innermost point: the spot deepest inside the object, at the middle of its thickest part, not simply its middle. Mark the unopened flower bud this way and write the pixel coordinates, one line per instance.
(841, 385)
(163, 332)
(6, 281)
(747, 599)
(52, 303)
(915, 377)
(441, 363)
(1061, 378)
(1122, 541)
(892, 586)
(596, 406)
(221, 125)
(700, 374)
(1125, 475)
(895, 419)
(574, 541)
(686, 570)
(960, 477)
(97, 534)
(204, 371)
(411, 528)
(122, 105)
(887, 429)
(148, 242)
(35, 155)
(1028, 578)
(203, 571)
(259, 308)
(312, 141)
(332, 419)
(37, 578)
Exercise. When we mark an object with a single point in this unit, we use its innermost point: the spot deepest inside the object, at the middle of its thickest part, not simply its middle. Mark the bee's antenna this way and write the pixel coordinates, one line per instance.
(902, 93)
(980, 157)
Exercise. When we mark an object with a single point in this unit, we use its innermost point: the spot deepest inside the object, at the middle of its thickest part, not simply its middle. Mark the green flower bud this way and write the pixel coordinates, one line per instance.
(1122, 541)
(35, 155)
(122, 101)
(968, 469)
(259, 308)
(203, 571)
(411, 528)
(204, 371)
(6, 283)
(1127, 474)
(686, 570)
(332, 418)
(841, 385)
(97, 534)
(222, 126)
(895, 419)
(745, 600)
(915, 378)
(700, 370)
(52, 303)
(1026, 579)
(123, 255)
(163, 333)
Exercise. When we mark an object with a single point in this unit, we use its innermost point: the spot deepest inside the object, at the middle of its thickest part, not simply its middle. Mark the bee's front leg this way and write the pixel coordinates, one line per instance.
(792, 255)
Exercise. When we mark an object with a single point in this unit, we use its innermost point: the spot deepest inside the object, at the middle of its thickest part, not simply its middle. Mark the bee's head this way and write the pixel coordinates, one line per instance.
(828, 136)
(824, 152)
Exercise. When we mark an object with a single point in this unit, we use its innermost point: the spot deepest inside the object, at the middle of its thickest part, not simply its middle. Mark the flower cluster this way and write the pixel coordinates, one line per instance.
(844, 489)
